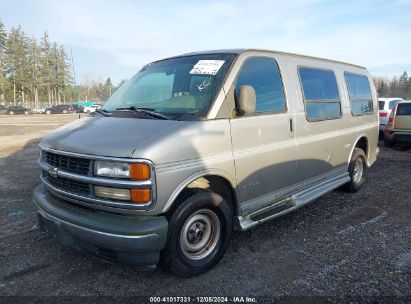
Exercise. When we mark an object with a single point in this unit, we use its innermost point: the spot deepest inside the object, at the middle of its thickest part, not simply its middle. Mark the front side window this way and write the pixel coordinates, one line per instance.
(321, 96)
(178, 87)
(360, 95)
(264, 76)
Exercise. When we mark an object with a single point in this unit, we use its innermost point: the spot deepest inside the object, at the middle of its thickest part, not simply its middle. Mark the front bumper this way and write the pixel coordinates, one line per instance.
(130, 239)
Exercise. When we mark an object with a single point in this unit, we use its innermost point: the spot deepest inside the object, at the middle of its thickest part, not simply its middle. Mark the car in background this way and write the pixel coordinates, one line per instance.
(3, 109)
(385, 107)
(41, 110)
(398, 129)
(60, 109)
(78, 108)
(91, 109)
(12, 110)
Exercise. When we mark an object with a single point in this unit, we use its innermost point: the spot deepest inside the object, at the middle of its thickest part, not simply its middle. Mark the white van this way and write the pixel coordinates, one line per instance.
(200, 144)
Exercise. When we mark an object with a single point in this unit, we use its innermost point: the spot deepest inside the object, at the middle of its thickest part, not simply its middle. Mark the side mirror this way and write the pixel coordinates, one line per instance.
(246, 100)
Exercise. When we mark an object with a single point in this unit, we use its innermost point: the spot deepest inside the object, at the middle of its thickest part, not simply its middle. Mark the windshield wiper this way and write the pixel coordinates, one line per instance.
(103, 112)
(147, 111)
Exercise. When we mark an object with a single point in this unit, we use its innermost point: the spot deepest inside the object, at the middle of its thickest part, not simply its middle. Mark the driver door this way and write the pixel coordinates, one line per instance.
(263, 144)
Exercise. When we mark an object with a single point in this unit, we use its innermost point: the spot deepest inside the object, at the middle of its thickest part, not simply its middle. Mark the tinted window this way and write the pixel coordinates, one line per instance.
(264, 76)
(322, 111)
(404, 109)
(360, 94)
(321, 96)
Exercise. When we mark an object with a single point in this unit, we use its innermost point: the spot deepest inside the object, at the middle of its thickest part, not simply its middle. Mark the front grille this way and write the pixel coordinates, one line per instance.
(68, 184)
(69, 177)
(68, 163)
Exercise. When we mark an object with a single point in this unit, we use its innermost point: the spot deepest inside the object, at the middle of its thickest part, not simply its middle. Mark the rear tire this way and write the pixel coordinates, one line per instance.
(200, 230)
(356, 170)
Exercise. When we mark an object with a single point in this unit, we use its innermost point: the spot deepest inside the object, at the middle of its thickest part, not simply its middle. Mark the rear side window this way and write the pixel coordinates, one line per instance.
(360, 94)
(404, 109)
(381, 105)
(264, 76)
(321, 96)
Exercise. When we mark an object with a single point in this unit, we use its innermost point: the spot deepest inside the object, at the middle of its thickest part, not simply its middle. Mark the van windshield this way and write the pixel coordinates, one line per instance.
(180, 88)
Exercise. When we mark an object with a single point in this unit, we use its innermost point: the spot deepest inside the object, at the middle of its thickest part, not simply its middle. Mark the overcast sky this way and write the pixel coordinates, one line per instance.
(115, 38)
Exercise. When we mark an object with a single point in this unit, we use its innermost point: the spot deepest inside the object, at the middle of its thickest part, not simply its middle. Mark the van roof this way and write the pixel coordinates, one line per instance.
(239, 51)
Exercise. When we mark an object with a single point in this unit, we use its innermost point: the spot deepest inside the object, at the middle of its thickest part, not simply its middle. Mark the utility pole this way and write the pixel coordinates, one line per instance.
(74, 73)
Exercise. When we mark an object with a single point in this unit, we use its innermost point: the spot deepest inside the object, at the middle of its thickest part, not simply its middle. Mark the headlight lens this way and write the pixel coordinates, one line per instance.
(136, 171)
(111, 169)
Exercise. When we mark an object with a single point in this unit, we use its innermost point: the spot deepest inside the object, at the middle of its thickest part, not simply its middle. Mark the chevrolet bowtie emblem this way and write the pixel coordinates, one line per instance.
(54, 172)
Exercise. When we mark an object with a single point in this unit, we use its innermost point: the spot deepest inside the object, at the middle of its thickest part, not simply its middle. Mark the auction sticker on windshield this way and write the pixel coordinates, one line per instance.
(207, 67)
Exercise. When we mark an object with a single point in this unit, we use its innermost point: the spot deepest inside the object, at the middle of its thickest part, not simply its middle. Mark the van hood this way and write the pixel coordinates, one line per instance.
(106, 136)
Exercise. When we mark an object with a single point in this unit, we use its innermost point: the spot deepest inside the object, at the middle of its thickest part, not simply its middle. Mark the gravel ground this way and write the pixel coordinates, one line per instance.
(341, 245)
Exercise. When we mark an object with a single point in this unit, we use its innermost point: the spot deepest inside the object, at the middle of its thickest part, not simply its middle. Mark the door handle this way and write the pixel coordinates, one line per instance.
(291, 125)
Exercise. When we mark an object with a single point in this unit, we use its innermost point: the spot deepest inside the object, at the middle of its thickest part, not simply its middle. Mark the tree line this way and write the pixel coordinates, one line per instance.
(395, 87)
(35, 73)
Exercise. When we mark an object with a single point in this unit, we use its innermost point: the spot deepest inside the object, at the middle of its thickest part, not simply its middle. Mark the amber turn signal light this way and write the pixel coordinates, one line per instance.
(139, 171)
(140, 196)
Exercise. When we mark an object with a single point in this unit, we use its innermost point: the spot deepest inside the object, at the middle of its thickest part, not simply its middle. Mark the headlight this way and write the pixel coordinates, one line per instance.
(136, 171)
(113, 193)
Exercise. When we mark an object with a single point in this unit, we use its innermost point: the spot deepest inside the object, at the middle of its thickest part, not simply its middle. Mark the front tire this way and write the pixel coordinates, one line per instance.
(356, 170)
(200, 230)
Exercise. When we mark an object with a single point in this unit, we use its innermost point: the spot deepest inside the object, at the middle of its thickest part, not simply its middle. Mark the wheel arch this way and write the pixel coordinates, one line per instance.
(215, 180)
(363, 143)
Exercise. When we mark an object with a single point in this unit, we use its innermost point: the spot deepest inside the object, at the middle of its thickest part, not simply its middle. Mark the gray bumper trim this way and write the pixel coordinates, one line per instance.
(124, 242)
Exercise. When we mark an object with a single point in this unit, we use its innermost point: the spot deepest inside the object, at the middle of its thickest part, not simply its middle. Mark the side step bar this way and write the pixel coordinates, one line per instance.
(292, 203)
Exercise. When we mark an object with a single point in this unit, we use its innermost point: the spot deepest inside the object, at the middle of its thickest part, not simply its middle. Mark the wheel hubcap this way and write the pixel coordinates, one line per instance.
(358, 171)
(200, 234)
